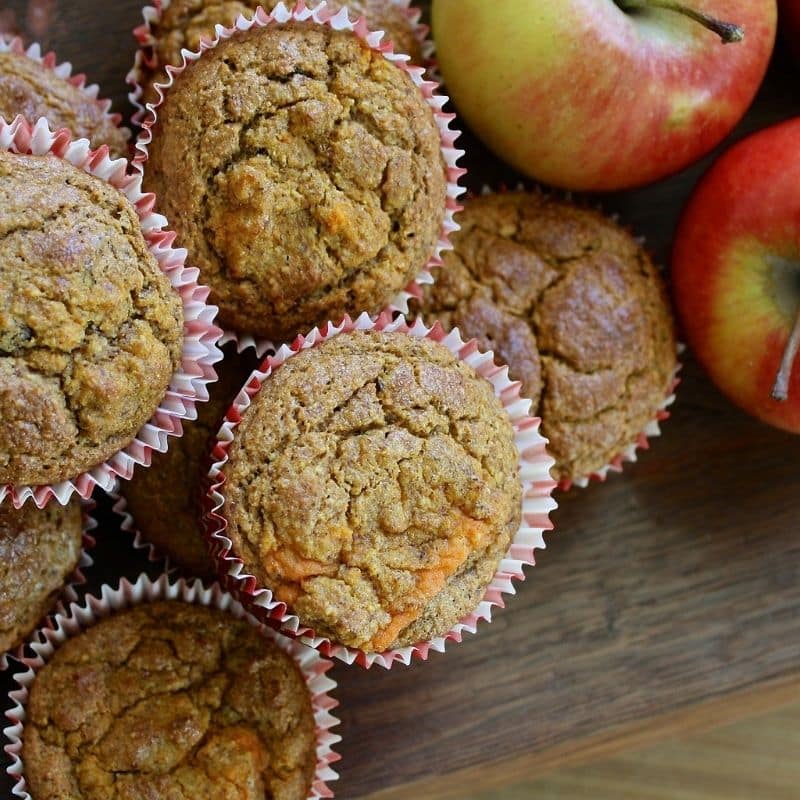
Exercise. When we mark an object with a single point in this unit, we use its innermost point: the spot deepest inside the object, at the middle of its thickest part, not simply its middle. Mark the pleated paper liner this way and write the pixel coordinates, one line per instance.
(95, 607)
(127, 525)
(69, 592)
(339, 21)
(537, 485)
(63, 70)
(146, 60)
(200, 352)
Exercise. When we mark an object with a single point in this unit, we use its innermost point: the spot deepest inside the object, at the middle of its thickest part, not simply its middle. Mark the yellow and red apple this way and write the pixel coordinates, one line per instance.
(736, 274)
(602, 94)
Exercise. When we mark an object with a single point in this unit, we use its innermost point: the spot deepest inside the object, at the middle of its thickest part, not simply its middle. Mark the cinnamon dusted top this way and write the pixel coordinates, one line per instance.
(169, 700)
(91, 331)
(303, 171)
(573, 304)
(373, 485)
(39, 549)
(31, 89)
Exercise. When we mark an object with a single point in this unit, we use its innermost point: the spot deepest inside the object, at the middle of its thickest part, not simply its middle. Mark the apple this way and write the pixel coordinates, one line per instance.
(789, 23)
(599, 95)
(736, 274)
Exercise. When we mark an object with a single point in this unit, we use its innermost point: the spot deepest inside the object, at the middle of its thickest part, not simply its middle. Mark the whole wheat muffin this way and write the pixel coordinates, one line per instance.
(39, 550)
(373, 486)
(164, 499)
(169, 700)
(185, 23)
(31, 89)
(90, 328)
(574, 306)
(303, 171)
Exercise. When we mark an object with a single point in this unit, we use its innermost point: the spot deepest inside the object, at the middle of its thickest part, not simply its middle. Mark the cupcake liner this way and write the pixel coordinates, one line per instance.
(69, 593)
(16, 46)
(340, 21)
(535, 465)
(144, 590)
(244, 341)
(146, 58)
(128, 525)
(189, 384)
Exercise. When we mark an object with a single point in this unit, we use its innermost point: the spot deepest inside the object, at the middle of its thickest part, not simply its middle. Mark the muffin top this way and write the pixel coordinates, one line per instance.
(90, 328)
(303, 171)
(39, 549)
(185, 23)
(164, 499)
(573, 304)
(373, 486)
(31, 89)
(169, 700)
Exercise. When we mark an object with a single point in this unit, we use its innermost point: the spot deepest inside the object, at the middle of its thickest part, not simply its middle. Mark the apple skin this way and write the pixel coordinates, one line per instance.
(581, 95)
(789, 24)
(741, 229)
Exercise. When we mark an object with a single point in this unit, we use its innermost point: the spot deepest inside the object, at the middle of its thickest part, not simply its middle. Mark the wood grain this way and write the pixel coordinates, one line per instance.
(667, 594)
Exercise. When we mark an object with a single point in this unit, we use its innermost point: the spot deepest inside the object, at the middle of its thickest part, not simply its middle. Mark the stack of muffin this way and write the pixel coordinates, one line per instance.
(371, 476)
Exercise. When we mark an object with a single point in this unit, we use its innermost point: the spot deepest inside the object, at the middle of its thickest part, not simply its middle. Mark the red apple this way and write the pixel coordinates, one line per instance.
(602, 94)
(789, 23)
(736, 274)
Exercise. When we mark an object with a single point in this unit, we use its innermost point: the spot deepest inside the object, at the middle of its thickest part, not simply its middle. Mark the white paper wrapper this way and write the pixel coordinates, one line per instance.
(340, 21)
(127, 524)
(94, 608)
(200, 352)
(537, 485)
(146, 59)
(16, 46)
(69, 593)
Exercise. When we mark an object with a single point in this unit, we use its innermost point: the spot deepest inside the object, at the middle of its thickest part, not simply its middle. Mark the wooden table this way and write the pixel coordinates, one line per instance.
(668, 598)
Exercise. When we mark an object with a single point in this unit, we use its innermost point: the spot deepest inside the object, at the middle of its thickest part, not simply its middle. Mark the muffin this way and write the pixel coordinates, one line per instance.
(29, 88)
(373, 485)
(185, 23)
(164, 499)
(574, 306)
(304, 173)
(90, 329)
(168, 699)
(39, 550)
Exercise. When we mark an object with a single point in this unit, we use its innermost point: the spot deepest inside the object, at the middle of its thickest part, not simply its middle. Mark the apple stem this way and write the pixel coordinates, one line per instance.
(727, 31)
(780, 390)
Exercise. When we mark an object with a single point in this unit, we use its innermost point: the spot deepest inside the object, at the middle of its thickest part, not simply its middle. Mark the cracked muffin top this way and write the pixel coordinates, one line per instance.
(373, 486)
(169, 700)
(303, 171)
(574, 306)
(184, 23)
(90, 329)
(164, 499)
(39, 550)
(31, 89)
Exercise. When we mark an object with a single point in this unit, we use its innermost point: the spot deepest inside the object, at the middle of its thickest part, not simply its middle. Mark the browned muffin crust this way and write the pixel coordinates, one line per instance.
(165, 499)
(90, 328)
(30, 89)
(185, 23)
(169, 700)
(303, 171)
(373, 485)
(39, 550)
(573, 304)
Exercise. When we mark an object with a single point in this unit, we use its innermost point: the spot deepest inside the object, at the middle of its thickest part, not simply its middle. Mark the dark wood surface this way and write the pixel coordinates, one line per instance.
(668, 596)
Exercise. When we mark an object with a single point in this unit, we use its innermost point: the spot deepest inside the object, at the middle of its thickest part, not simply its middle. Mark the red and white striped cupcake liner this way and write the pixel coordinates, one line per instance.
(200, 352)
(535, 465)
(95, 607)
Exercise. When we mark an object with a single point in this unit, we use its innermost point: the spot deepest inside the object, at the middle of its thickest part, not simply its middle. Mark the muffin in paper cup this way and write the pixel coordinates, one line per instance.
(199, 352)
(94, 608)
(15, 46)
(147, 63)
(534, 474)
(127, 525)
(68, 593)
(339, 21)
